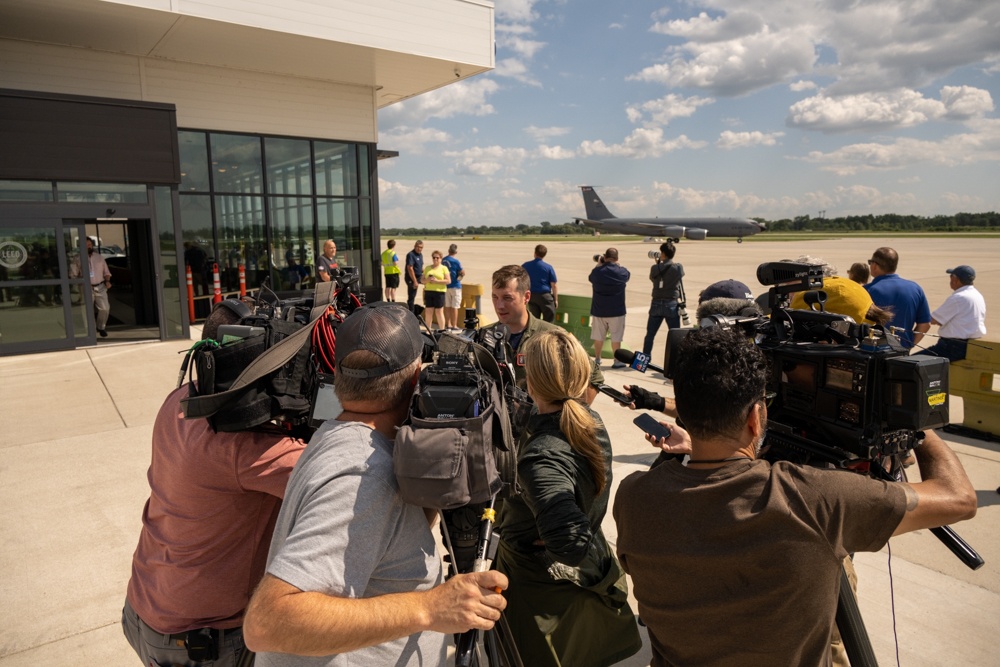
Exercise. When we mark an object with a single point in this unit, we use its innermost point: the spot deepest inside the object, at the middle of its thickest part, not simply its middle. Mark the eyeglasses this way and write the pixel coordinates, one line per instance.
(872, 261)
(769, 397)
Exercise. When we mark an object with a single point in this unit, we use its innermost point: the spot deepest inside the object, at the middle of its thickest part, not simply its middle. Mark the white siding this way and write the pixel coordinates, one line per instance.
(453, 30)
(212, 98)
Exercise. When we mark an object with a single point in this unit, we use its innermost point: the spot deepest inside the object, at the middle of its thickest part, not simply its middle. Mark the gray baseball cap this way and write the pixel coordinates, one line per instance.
(387, 330)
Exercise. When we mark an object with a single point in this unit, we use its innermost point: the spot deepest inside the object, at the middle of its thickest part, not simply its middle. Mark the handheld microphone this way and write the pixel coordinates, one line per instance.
(637, 361)
(502, 333)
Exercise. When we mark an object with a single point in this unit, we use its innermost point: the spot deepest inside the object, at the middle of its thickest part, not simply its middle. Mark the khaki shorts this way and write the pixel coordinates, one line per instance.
(453, 298)
(601, 326)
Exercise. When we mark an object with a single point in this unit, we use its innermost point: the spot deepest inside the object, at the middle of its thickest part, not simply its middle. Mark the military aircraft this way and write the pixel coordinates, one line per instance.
(601, 219)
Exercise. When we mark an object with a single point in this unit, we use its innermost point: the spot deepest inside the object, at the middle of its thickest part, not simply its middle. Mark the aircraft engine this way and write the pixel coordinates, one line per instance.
(672, 232)
(696, 234)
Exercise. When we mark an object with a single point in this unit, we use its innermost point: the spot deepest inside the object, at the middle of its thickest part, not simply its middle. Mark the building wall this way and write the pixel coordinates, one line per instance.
(206, 97)
(453, 30)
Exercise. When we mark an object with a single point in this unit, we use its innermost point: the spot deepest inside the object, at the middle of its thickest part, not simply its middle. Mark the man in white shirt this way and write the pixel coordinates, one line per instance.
(962, 316)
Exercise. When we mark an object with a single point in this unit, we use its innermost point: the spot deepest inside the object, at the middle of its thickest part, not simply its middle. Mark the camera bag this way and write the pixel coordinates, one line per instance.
(446, 463)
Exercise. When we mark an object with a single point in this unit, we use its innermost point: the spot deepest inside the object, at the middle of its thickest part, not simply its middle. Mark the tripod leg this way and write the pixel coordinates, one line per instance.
(852, 627)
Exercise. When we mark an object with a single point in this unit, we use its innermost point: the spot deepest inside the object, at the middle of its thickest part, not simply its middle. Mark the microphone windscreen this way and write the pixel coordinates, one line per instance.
(728, 307)
(624, 356)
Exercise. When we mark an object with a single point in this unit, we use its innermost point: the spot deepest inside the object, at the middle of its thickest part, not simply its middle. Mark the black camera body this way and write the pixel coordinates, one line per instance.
(844, 391)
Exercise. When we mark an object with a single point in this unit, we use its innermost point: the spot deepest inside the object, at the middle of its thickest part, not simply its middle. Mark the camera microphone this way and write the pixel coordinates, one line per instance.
(637, 361)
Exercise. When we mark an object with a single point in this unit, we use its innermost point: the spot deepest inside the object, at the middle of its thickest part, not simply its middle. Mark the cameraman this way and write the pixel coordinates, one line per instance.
(205, 529)
(744, 543)
(352, 568)
(607, 307)
(511, 293)
(666, 277)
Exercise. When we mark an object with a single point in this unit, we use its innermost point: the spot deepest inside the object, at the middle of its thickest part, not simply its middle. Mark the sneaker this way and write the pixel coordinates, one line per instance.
(619, 364)
(104, 334)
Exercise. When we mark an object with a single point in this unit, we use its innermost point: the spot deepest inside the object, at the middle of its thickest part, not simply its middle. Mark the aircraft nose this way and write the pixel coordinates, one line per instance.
(761, 226)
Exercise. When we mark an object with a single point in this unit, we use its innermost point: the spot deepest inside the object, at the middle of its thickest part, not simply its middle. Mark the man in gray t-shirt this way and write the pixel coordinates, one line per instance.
(353, 577)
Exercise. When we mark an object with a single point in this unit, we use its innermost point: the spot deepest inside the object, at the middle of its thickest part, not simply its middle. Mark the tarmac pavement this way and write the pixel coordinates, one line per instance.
(75, 447)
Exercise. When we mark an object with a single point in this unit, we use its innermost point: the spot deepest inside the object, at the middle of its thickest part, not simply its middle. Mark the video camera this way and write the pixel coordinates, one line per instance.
(276, 364)
(846, 392)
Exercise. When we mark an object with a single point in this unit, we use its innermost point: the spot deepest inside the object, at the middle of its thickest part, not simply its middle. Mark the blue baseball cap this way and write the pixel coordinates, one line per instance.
(964, 273)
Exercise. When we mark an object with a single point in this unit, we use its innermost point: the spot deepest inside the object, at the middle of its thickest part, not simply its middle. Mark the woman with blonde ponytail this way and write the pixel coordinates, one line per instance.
(567, 604)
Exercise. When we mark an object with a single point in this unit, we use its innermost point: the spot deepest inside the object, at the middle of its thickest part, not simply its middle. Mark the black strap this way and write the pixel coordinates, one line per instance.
(268, 362)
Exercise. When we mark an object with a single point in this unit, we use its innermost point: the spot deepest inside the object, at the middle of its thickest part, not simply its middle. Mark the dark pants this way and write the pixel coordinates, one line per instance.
(952, 349)
(659, 310)
(411, 294)
(156, 648)
(542, 306)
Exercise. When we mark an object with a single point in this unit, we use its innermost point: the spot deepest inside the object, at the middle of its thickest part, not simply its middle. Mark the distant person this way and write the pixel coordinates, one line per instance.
(436, 279)
(544, 288)
(100, 282)
(910, 312)
(859, 273)
(390, 264)
(326, 264)
(213, 500)
(197, 259)
(702, 540)
(414, 272)
(962, 316)
(666, 277)
(453, 293)
(564, 574)
(607, 307)
(353, 574)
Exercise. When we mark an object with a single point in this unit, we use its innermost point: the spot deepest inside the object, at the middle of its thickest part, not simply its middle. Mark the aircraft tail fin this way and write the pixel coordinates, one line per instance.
(596, 210)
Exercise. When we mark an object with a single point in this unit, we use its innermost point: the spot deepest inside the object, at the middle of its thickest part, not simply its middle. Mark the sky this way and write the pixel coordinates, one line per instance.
(756, 108)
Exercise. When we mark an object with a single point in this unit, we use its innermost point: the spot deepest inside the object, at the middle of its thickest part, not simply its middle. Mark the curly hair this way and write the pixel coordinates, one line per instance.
(720, 374)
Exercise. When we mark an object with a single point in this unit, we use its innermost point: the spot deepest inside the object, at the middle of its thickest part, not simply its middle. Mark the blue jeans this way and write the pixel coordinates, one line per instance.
(659, 310)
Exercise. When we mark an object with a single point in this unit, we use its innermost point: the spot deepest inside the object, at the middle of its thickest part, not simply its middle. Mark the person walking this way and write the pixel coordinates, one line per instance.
(390, 265)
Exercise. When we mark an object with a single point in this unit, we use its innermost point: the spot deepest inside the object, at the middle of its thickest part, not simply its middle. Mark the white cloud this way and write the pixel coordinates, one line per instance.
(392, 193)
(555, 153)
(526, 48)
(799, 86)
(409, 140)
(659, 112)
(730, 140)
(616, 26)
(886, 110)
(487, 160)
(735, 67)
(515, 68)
(980, 144)
(704, 28)
(641, 143)
(544, 133)
(514, 10)
(461, 98)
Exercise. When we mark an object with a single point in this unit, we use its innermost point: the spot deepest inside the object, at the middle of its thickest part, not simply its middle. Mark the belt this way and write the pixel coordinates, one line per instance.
(97, 284)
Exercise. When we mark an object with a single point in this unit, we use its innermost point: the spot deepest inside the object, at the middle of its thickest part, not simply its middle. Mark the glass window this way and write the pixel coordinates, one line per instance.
(194, 161)
(109, 193)
(292, 253)
(26, 191)
(362, 179)
(199, 248)
(240, 224)
(29, 254)
(236, 163)
(288, 166)
(170, 277)
(336, 169)
(338, 220)
(27, 319)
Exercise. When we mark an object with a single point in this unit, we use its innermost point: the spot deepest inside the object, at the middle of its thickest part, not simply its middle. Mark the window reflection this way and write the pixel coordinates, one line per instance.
(241, 240)
(336, 173)
(293, 255)
(288, 166)
(236, 163)
(194, 161)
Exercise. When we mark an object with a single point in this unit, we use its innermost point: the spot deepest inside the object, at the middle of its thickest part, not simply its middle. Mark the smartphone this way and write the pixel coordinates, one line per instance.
(622, 398)
(648, 423)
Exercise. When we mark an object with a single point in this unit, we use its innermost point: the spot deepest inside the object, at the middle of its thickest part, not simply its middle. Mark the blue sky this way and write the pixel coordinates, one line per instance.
(767, 108)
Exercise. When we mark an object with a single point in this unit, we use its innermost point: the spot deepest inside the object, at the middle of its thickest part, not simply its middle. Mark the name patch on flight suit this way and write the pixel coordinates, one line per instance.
(519, 359)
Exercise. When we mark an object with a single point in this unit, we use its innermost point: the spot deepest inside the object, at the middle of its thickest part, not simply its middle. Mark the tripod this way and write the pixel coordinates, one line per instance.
(489, 648)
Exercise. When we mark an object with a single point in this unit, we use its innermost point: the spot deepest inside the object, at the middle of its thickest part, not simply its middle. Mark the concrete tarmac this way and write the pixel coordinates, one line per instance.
(75, 447)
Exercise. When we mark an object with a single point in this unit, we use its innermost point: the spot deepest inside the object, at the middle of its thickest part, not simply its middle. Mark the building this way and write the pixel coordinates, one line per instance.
(198, 133)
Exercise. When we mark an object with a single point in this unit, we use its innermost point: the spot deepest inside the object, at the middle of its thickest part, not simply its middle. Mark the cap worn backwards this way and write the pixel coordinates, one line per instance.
(387, 330)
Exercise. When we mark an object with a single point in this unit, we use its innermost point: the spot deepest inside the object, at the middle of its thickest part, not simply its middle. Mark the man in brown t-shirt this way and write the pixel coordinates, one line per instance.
(737, 561)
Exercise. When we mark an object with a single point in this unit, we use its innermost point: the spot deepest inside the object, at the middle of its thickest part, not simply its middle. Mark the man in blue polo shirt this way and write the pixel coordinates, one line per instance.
(544, 291)
(910, 312)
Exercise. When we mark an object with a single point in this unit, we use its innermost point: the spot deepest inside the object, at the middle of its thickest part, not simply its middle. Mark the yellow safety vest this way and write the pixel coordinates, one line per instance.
(387, 263)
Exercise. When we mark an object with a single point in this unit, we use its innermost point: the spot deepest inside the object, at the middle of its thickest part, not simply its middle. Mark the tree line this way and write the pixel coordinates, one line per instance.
(960, 222)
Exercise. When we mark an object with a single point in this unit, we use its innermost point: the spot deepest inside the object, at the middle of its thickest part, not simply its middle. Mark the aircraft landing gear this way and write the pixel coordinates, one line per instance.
(739, 240)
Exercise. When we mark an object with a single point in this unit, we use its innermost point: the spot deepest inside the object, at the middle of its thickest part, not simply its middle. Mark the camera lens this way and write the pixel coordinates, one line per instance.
(598, 258)
(654, 254)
